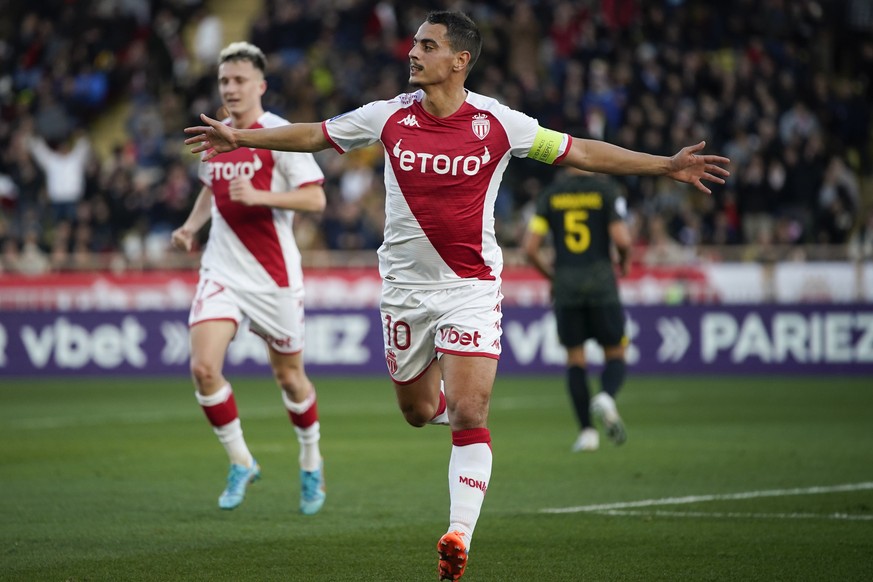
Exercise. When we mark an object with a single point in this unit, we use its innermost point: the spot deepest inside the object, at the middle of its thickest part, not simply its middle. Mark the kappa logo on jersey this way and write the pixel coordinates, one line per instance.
(425, 163)
(409, 121)
(232, 170)
(481, 125)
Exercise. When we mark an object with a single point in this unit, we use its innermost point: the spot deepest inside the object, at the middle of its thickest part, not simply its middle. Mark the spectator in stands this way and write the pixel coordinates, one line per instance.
(208, 37)
(838, 203)
(29, 183)
(661, 248)
(796, 94)
(65, 166)
(797, 124)
(32, 259)
(756, 201)
(347, 228)
(861, 241)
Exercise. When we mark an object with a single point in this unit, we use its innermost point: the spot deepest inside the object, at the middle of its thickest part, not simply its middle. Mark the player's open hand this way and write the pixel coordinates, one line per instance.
(690, 167)
(214, 138)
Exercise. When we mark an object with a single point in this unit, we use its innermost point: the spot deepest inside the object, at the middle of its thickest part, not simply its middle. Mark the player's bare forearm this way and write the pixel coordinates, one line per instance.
(215, 138)
(201, 212)
(531, 247)
(183, 237)
(297, 137)
(685, 166)
(544, 268)
(624, 256)
(622, 240)
(536, 260)
(607, 158)
(309, 198)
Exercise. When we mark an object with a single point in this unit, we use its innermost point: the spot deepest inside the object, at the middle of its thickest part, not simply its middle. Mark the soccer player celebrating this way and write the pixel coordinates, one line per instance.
(446, 149)
(251, 273)
(586, 216)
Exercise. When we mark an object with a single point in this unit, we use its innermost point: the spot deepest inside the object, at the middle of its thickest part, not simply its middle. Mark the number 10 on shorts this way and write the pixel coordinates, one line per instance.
(397, 334)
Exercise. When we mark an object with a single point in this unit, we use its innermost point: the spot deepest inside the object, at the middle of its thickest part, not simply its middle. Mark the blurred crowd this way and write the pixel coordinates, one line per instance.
(781, 87)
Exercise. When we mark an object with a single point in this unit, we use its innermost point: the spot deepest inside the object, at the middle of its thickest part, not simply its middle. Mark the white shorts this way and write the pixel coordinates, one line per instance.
(418, 325)
(275, 316)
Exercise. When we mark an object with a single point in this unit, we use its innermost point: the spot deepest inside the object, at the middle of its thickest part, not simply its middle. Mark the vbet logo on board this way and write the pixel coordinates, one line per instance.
(73, 346)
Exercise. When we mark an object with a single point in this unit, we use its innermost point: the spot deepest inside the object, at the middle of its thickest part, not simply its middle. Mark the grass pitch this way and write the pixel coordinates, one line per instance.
(721, 479)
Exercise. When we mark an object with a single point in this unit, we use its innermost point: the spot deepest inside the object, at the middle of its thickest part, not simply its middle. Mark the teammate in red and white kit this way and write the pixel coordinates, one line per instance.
(445, 152)
(250, 273)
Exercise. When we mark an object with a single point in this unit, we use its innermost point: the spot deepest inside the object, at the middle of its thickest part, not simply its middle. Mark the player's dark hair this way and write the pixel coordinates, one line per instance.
(462, 32)
(243, 51)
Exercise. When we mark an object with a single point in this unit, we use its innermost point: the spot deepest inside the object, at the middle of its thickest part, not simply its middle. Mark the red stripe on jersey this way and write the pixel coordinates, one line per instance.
(443, 169)
(328, 138)
(468, 354)
(253, 225)
(560, 158)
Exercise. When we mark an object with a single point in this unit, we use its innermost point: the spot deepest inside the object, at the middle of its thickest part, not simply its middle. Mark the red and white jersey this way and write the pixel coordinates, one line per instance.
(252, 248)
(441, 181)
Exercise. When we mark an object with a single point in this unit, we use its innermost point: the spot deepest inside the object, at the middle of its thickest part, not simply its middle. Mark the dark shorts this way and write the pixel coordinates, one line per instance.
(603, 323)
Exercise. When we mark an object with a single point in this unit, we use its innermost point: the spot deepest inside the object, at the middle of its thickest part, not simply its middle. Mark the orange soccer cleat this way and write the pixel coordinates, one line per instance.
(453, 556)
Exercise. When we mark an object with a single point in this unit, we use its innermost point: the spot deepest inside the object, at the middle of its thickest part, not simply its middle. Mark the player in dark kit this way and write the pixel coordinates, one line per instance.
(586, 215)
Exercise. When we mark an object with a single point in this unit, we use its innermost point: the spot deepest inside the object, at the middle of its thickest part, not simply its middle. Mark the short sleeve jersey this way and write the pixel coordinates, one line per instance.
(252, 248)
(441, 181)
(578, 210)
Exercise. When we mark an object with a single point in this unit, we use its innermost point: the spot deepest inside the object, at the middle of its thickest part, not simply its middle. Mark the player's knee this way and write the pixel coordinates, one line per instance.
(294, 382)
(205, 373)
(469, 413)
(615, 352)
(416, 415)
(576, 357)
(414, 421)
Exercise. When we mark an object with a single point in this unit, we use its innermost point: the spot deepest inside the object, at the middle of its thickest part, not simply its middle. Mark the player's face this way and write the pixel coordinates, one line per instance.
(431, 58)
(241, 85)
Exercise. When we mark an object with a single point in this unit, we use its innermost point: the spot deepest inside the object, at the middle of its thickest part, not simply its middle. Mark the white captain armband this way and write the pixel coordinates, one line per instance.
(548, 145)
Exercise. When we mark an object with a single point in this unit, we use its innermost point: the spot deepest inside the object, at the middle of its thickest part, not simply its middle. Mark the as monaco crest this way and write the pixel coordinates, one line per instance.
(391, 360)
(481, 125)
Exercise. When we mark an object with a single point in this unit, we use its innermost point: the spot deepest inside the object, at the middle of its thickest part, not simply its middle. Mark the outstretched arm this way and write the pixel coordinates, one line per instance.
(531, 247)
(183, 237)
(309, 198)
(621, 239)
(686, 166)
(219, 138)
